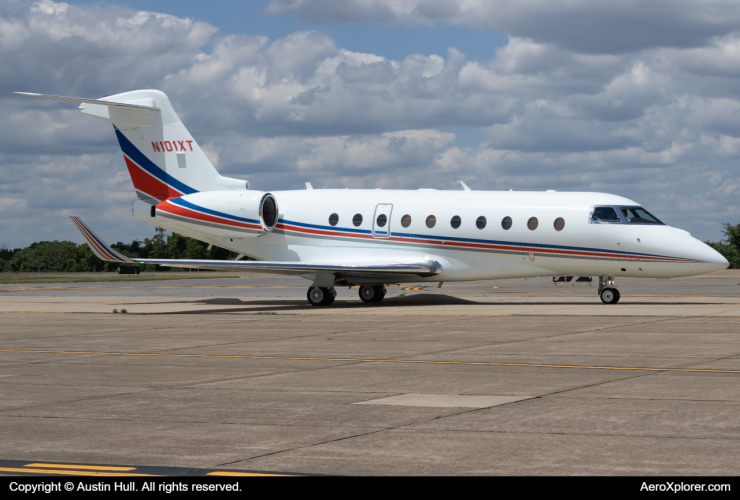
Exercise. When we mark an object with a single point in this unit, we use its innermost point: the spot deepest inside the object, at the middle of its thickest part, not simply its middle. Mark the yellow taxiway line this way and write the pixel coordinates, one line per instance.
(243, 474)
(68, 472)
(363, 360)
(84, 467)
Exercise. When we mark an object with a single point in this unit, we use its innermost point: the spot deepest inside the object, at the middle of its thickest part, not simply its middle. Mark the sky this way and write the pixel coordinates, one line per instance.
(635, 98)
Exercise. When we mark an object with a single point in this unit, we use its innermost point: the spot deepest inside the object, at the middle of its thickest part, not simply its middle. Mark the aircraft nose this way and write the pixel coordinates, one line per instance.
(711, 259)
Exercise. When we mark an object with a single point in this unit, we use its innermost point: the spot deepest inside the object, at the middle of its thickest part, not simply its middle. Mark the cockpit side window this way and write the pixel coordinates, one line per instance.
(639, 215)
(604, 215)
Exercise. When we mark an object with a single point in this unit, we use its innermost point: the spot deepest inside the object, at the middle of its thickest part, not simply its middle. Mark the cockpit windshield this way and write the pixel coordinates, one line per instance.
(604, 214)
(639, 215)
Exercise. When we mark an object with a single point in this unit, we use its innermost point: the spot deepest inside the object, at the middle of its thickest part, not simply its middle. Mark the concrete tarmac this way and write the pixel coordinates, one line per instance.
(242, 374)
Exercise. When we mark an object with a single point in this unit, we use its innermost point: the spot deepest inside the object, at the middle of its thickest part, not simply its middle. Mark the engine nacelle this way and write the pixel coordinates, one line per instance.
(224, 214)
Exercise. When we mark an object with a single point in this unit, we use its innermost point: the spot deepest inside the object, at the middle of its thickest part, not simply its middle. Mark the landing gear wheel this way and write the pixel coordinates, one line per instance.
(372, 293)
(320, 296)
(610, 295)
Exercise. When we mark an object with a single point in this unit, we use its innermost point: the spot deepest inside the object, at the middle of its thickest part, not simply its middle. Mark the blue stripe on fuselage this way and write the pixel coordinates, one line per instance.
(481, 242)
(193, 206)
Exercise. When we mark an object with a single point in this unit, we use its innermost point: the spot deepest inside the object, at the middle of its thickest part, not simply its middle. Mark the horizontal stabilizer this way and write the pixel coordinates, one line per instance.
(98, 246)
(88, 101)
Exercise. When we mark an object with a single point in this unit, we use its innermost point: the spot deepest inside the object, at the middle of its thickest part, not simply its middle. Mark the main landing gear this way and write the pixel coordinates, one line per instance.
(321, 296)
(370, 293)
(607, 292)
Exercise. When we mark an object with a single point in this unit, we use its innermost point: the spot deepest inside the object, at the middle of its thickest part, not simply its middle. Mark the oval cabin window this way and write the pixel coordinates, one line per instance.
(406, 220)
(455, 222)
(506, 223)
(357, 220)
(381, 220)
(431, 221)
(532, 223)
(559, 224)
(480, 222)
(333, 219)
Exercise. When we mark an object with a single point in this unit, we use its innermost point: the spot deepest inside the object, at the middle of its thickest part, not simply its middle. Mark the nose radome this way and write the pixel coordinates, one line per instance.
(714, 261)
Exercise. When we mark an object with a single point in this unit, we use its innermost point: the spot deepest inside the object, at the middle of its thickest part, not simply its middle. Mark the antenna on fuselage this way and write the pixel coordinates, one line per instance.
(309, 186)
(464, 186)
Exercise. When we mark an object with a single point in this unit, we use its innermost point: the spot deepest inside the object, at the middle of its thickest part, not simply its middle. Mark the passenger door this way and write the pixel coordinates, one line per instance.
(382, 220)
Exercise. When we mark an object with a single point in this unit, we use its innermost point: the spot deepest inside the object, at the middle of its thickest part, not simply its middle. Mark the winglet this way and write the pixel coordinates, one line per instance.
(98, 246)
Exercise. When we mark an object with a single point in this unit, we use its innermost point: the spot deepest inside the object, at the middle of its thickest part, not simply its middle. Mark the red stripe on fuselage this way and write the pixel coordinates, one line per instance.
(191, 214)
(487, 246)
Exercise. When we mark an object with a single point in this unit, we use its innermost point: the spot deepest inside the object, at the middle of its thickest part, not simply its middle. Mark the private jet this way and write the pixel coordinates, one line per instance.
(373, 238)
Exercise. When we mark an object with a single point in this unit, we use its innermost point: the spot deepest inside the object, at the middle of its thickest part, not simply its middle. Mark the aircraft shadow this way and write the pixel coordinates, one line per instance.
(286, 305)
(274, 305)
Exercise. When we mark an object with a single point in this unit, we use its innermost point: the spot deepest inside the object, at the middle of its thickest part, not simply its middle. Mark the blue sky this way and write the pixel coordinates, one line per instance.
(394, 41)
(639, 99)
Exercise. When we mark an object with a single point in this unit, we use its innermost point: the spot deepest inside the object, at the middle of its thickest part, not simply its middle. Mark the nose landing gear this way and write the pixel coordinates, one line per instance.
(321, 296)
(372, 293)
(607, 292)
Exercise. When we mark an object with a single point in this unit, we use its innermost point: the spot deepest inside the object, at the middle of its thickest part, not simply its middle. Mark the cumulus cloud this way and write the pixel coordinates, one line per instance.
(607, 26)
(660, 124)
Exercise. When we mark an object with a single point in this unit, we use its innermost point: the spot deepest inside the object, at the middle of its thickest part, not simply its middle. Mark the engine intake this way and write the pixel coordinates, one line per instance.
(268, 211)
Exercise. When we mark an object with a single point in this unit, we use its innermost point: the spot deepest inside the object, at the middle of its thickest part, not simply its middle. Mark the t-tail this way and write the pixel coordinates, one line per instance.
(163, 159)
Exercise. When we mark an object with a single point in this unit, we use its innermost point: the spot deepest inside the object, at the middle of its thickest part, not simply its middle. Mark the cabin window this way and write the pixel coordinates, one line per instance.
(357, 220)
(455, 222)
(381, 220)
(431, 221)
(559, 224)
(333, 219)
(604, 215)
(639, 215)
(506, 223)
(532, 223)
(406, 220)
(480, 222)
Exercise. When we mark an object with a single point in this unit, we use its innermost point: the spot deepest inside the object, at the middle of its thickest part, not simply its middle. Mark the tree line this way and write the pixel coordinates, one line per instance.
(66, 256)
(729, 247)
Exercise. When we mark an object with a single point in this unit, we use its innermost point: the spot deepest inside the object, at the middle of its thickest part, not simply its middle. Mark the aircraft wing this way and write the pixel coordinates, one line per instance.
(367, 269)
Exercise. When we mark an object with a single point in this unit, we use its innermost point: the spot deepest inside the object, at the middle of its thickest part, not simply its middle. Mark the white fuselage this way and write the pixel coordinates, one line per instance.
(305, 233)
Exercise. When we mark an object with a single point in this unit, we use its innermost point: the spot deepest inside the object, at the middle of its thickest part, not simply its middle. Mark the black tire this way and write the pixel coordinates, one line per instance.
(316, 296)
(367, 293)
(609, 296)
(379, 293)
(329, 295)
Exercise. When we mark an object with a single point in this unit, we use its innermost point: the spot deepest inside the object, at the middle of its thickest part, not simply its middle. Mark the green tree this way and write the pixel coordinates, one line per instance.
(46, 256)
(66, 256)
(729, 247)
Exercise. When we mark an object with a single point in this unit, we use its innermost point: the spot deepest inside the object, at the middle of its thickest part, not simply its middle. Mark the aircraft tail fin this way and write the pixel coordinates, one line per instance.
(101, 249)
(163, 159)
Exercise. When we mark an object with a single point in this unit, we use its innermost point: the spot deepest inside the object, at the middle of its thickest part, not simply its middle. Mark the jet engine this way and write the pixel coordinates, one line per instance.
(224, 214)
